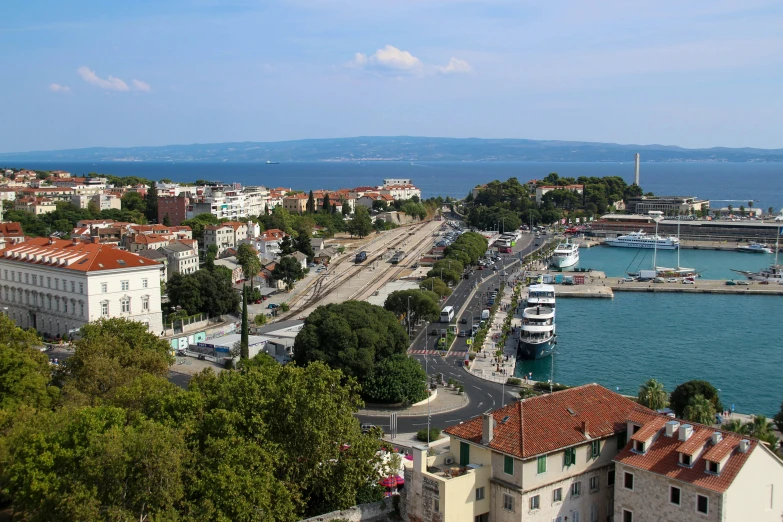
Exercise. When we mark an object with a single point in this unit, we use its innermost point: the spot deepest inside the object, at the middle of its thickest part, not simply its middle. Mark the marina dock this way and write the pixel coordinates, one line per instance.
(597, 285)
(685, 244)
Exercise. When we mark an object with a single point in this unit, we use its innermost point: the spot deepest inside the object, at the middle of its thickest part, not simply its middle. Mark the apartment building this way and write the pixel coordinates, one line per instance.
(678, 471)
(56, 286)
(138, 242)
(296, 203)
(369, 198)
(175, 207)
(228, 203)
(399, 189)
(11, 233)
(669, 205)
(53, 193)
(546, 458)
(182, 257)
(225, 235)
(35, 205)
(103, 201)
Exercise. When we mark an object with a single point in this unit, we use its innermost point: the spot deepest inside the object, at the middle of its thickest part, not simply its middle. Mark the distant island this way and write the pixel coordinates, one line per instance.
(402, 148)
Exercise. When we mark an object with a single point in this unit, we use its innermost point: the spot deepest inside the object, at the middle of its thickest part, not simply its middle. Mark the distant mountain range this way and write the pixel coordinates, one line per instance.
(402, 148)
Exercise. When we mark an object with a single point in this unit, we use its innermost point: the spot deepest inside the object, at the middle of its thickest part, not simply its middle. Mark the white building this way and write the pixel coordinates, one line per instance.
(226, 235)
(399, 189)
(56, 286)
(229, 203)
(182, 258)
(543, 189)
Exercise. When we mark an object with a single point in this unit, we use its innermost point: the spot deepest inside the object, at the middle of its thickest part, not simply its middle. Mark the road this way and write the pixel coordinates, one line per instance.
(483, 395)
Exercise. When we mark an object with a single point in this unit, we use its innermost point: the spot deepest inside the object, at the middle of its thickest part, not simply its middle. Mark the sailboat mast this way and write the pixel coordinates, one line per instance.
(678, 242)
(655, 246)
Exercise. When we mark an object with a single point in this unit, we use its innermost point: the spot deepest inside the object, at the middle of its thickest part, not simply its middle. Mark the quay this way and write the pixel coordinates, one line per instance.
(685, 244)
(597, 285)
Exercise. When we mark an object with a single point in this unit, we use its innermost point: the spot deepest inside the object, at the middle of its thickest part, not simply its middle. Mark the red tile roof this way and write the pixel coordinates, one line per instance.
(650, 428)
(662, 457)
(11, 228)
(544, 424)
(83, 257)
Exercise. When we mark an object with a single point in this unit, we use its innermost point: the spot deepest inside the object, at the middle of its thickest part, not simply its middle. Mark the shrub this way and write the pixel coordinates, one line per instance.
(513, 381)
(284, 307)
(422, 434)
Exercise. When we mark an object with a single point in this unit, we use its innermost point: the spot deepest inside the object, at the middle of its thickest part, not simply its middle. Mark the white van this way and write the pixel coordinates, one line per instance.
(484, 315)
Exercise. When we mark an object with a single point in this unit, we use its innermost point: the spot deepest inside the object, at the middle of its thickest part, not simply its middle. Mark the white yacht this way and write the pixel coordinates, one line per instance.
(755, 248)
(565, 255)
(541, 295)
(642, 240)
(537, 338)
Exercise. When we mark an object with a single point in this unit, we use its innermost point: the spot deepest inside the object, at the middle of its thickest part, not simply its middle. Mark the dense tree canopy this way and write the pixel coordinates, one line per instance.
(398, 379)
(351, 336)
(289, 271)
(204, 291)
(421, 304)
(683, 393)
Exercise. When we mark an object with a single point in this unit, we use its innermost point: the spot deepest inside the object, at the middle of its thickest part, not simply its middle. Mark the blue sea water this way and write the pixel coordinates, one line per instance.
(711, 264)
(732, 341)
(722, 183)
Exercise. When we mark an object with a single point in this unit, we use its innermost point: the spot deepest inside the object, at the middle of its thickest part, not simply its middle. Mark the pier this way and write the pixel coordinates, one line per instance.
(597, 285)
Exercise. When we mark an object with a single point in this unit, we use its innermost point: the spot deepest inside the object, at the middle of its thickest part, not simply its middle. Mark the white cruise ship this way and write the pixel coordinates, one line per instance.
(642, 240)
(565, 255)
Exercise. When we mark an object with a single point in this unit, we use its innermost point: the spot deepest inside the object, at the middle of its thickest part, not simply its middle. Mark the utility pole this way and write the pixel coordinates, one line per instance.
(409, 318)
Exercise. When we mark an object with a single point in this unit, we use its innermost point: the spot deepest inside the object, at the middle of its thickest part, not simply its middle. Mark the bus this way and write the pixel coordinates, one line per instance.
(447, 314)
(361, 256)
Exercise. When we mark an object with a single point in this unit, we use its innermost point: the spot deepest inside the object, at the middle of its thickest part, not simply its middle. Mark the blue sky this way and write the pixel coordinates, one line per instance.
(153, 72)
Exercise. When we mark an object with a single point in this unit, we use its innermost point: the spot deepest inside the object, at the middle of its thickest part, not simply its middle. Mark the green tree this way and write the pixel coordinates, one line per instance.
(352, 336)
(735, 426)
(243, 346)
(310, 203)
(397, 379)
(379, 205)
(652, 395)
(151, 202)
(286, 246)
(133, 201)
(683, 393)
(699, 409)
(422, 305)
(302, 243)
(25, 372)
(111, 354)
(167, 220)
(247, 258)
(361, 223)
(345, 208)
(436, 285)
(289, 271)
(327, 204)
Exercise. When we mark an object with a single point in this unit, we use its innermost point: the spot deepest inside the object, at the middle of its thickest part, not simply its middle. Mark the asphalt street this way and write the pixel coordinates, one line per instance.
(483, 395)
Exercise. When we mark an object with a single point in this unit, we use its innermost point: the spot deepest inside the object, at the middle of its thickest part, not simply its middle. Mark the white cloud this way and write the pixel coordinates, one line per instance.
(393, 60)
(141, 86)
(56, 87)
(389, 59)
(455, 66)
(111, 83)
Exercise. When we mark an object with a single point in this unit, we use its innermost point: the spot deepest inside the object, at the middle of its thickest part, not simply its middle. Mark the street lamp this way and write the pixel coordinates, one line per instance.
(408, 317)
(427, 371)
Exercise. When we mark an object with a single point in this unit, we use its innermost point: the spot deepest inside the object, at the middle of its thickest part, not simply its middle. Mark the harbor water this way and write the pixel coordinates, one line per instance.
(732, 341)
(710, 264)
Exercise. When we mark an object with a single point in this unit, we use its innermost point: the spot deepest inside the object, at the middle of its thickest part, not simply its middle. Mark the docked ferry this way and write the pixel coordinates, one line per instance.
(541, 295)
(565, 255)
(537, 337)
(642, 240)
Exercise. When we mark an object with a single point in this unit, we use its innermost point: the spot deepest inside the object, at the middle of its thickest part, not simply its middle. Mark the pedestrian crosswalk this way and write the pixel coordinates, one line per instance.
(436, 352)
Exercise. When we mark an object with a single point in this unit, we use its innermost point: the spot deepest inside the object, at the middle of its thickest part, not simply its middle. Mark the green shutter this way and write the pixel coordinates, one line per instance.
(596, 449)
(508, 465)
(567, 457)
(464, 454)
(542, 464)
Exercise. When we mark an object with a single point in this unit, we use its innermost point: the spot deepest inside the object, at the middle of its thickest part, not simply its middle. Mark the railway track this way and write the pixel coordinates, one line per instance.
(323, 287)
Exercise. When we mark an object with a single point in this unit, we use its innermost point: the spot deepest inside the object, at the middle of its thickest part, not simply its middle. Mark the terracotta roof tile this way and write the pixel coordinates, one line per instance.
(650, 428)
(83, 257)
(543, 424)
(662, 457)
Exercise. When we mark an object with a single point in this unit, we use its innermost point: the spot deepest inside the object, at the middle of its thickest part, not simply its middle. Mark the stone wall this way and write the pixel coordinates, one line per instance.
(358, 513)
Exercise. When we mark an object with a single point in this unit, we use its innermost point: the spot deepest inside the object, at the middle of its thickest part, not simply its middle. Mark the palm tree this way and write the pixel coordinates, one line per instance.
(759, 426)
(652, 395)
(736, 426)
(700, 410)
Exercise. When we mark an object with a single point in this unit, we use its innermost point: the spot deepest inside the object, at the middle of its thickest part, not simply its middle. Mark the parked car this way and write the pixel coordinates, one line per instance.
(273, 305)
(688, 282)
(743, 283)
(463, 321)
(671, 280)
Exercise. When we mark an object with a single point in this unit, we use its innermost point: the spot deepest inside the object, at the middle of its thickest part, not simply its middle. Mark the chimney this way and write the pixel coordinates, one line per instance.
(744, 446)
(487, 429)
(716, 437)
(75, 241)
(585, 428)
(686, 430)
(51, 240)
(636, 176)
(671, 428)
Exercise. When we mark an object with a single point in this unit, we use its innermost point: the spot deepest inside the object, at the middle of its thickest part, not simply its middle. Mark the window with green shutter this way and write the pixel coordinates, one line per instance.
(595, 449)
(542, 464)
(508, 465)
(464, 454)
(569, 457)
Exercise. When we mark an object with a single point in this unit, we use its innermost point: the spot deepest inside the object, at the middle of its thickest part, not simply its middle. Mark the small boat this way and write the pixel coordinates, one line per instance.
(537, 338)
(773, 274)
(565, 255)
(269, 162)
(755, 248)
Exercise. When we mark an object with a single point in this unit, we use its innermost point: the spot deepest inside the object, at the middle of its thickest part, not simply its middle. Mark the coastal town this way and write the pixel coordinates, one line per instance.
(441, 301)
